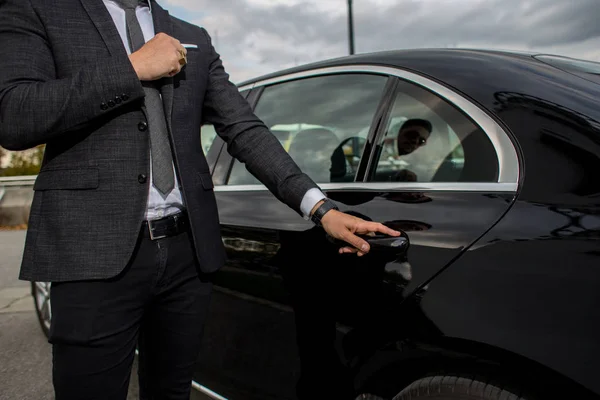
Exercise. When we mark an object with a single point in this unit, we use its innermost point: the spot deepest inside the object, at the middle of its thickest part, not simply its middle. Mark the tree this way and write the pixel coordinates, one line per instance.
(24, 162)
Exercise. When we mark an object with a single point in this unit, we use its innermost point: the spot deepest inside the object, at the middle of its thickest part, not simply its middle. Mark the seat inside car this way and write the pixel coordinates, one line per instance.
(345, 159)
(478, 151)
(312, 150)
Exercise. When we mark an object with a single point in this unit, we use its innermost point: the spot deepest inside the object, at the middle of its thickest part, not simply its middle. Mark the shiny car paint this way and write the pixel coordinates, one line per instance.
(499, 280)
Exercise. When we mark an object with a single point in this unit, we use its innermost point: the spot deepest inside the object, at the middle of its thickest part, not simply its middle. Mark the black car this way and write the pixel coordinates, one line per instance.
(488, 162)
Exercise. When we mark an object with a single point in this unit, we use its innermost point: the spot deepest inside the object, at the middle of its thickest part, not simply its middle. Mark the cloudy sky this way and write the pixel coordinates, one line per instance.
(261, 36)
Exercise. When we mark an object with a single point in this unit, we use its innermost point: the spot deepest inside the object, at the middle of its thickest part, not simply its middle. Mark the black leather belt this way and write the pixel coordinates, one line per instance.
(164, 227)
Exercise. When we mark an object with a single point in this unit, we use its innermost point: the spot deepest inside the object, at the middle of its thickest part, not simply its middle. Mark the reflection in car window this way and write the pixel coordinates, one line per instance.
(207, 136)
(589, 70)
(322, 122)
(571, 64)
(428, 140)
(208, 133)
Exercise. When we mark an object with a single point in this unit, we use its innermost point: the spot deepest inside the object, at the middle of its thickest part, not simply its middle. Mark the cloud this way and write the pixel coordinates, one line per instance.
(260, 36)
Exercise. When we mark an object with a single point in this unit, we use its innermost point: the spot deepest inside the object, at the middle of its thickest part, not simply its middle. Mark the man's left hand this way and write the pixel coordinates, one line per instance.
(345, 227)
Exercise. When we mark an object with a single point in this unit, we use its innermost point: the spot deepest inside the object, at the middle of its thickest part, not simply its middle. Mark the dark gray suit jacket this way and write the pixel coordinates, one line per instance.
(66, 80)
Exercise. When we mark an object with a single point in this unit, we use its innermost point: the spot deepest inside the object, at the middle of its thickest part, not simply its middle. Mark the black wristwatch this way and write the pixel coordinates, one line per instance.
(323, 209)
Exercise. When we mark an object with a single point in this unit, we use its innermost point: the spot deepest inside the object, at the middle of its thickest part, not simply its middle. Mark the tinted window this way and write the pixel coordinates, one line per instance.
(428, 140)
(208, 133)
(585, 69)
(322, 122)
(571, 64)
(207, 136)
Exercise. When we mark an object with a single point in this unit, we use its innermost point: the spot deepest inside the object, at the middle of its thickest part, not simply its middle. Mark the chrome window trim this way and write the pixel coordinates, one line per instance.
(508, 161)
(207, 391)
(245, 87)
(393, 187)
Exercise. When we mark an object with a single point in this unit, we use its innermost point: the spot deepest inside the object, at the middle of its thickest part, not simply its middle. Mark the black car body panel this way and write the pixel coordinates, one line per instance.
(493, 280)
(274, 255)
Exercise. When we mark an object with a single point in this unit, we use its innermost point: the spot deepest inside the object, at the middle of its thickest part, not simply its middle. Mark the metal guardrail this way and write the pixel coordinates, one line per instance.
(27, 180)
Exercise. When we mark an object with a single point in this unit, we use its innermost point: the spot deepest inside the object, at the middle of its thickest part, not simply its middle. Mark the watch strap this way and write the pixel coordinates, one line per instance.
(323, 209)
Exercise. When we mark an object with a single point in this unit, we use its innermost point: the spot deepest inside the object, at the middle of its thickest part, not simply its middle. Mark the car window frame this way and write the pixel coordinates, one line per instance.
(382, 132)
(256, 92)
(223, 161)
(508, 161)
(212, 156)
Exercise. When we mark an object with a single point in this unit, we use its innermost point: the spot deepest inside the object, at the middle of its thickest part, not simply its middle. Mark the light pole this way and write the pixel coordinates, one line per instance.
(350, 28)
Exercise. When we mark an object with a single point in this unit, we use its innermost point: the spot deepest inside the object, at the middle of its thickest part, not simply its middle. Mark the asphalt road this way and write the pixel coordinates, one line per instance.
(11, 251)
(25, 355)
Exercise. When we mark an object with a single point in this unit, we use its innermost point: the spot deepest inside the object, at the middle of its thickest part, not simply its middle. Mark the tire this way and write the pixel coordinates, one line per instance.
(43, 308)
(454, 388)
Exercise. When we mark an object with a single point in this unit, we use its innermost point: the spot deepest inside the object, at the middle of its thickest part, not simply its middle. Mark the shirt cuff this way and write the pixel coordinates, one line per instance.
(310, 200)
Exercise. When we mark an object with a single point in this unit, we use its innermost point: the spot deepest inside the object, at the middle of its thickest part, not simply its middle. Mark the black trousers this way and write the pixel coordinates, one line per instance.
(159, 301)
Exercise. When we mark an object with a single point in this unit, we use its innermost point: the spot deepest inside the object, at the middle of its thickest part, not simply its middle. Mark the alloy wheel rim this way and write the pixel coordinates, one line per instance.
(42, 297)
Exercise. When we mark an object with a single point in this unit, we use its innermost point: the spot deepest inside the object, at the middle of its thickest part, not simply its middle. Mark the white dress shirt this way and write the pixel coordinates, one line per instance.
(159, 206)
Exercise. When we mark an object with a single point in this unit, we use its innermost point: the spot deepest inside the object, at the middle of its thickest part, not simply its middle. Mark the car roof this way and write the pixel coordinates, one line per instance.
(480, 74)
(394, 58)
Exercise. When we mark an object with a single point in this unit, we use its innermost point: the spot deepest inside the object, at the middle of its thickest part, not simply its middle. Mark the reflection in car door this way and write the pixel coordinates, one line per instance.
(290, 316)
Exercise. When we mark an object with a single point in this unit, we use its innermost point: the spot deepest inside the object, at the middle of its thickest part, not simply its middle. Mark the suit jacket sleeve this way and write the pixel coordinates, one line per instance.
(36, 105)
(248, 138)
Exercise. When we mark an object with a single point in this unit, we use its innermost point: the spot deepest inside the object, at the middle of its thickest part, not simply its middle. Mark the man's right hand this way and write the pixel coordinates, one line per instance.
(158, 58)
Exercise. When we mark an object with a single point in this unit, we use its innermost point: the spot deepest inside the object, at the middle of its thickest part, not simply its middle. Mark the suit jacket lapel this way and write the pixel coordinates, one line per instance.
(105, 25)
(163, 23)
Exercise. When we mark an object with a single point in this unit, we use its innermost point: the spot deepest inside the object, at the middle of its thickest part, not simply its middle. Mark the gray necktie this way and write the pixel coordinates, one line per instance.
(160, 148)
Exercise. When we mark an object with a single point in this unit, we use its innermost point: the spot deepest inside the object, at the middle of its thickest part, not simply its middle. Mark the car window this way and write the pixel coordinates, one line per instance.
(583, 68)
(208, 133)
(571, 64)
(207, 137)
(322, 122)
(429, 140)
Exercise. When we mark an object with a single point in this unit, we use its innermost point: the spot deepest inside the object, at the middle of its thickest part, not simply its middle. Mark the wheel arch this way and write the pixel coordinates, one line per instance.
(392, 369)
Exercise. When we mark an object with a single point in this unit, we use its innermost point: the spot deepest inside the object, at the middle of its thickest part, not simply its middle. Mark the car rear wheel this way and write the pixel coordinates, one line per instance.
(454, 388)
(43, 308)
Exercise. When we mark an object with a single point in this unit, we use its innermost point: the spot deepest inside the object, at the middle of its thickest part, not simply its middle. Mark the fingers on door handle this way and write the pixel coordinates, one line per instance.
(380, 243)
(389, 243)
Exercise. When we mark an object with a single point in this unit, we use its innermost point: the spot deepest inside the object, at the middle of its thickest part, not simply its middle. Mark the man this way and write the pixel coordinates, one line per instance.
(412, 135)
(124, 220)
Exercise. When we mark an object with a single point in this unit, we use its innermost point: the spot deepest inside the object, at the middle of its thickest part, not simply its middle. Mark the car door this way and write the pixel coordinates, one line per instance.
(233, 333)
(290, 316)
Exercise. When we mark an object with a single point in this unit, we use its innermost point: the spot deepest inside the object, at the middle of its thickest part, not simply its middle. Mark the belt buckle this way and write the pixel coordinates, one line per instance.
(152, 235)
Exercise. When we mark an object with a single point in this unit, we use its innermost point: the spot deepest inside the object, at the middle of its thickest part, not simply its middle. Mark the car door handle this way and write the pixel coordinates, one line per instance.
(380, 243)
(388, 243)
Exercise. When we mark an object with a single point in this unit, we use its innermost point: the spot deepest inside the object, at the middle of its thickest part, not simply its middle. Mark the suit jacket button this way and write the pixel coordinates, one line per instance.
(142, 126)
(124, 97)
(103, 106)
(142, 178)
(111, 103)
(118, 99)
